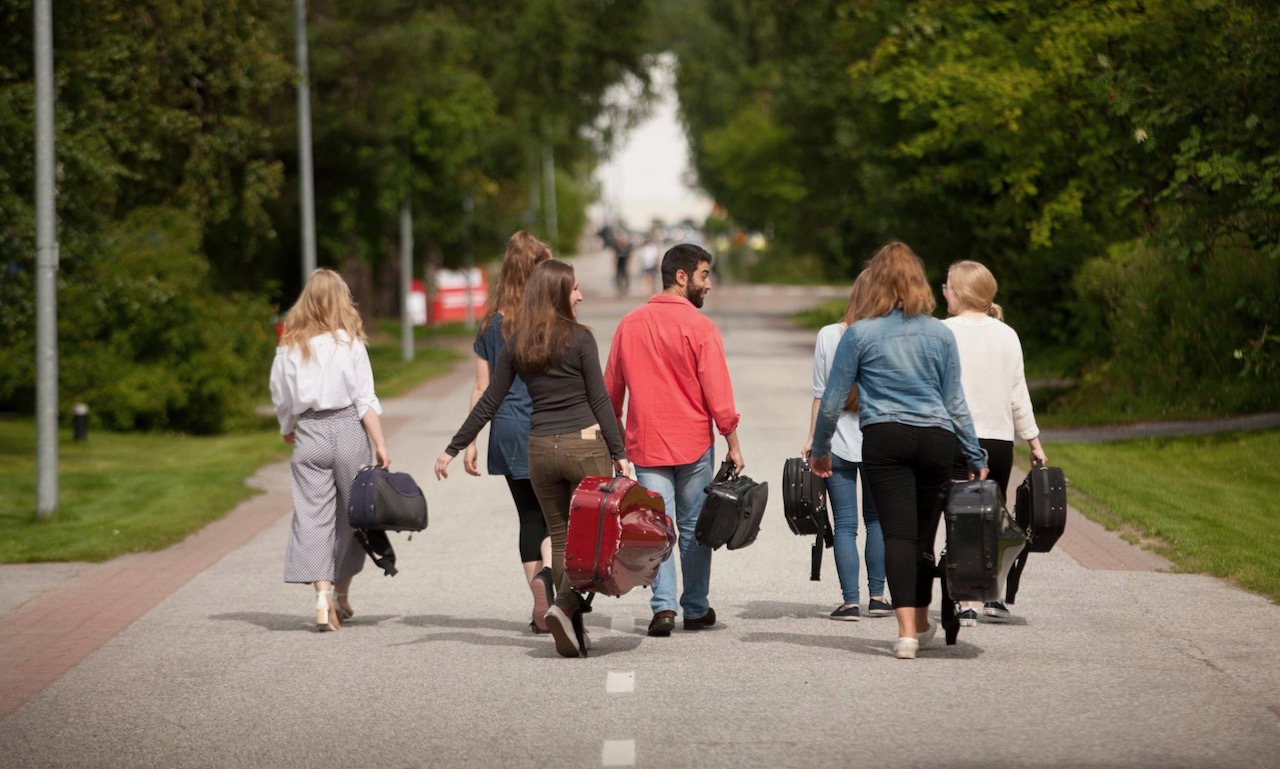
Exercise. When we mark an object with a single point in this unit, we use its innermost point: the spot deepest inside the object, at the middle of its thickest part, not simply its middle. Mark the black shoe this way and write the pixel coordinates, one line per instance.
(565, 632)
(580, 633)
(662, 624)
(968, 618)
(879, 608)
(543, 596)
(701, 623)
(995, 610)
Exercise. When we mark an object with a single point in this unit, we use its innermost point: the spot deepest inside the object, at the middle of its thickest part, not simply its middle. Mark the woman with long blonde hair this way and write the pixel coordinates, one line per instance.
(322, 389)
(508, 453)
(572, 433)
(905, 367)
(994, 383)
(846, 466)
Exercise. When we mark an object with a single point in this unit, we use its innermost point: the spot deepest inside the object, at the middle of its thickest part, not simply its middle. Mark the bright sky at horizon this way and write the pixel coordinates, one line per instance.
(644, 180)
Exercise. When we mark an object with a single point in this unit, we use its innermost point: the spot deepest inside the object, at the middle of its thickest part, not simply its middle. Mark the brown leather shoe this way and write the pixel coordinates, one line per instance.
(701, 623)
(662, 624)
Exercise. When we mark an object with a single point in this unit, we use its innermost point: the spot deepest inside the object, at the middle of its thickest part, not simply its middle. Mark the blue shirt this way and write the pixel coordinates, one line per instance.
(509, 430)
(907, 372)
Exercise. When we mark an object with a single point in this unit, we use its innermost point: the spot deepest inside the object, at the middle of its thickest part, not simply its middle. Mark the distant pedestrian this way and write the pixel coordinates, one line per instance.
(622, 256)
(508, 453)
(572, 431)
(667, 364)
(648, 253)
(994, 383)
(322, 388)
(842, 486)
(906, 370)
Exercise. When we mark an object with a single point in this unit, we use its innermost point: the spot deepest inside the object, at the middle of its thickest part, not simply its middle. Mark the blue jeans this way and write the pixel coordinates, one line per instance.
(683, 490)
(842, 488)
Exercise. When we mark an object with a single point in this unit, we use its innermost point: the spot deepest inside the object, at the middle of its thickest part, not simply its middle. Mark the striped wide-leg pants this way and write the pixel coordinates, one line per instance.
(330, 448)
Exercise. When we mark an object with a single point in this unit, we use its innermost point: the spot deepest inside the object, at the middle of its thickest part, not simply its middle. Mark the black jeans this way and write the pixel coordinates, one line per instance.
(906, 469)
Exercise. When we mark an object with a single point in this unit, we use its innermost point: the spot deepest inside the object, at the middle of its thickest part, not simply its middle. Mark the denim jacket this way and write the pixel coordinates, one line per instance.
(907, 371)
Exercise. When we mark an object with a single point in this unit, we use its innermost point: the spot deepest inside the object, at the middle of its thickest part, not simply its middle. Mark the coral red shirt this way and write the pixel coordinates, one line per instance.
(667, 362)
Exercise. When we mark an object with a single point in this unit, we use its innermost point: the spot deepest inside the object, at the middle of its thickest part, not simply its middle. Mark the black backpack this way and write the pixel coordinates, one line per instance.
(732, 510)
(804, 503)
(1040, 508)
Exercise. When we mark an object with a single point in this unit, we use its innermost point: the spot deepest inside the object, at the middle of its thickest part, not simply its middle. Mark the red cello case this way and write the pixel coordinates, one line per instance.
(619, 533)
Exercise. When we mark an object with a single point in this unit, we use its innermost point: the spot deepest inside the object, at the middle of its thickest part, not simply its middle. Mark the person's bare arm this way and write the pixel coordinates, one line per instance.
(470, 457)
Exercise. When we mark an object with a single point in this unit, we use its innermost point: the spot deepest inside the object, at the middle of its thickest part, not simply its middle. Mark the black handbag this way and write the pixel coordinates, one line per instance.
(385, 501)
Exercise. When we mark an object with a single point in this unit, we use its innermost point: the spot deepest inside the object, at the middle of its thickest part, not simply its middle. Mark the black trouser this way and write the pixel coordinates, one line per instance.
(999, 464)
(906, 469)
(533, 526)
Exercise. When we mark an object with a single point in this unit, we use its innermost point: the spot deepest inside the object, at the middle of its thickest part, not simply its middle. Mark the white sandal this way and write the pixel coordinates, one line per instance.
(326, 613)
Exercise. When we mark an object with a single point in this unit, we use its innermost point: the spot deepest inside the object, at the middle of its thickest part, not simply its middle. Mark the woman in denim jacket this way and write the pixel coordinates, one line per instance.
(912, 410)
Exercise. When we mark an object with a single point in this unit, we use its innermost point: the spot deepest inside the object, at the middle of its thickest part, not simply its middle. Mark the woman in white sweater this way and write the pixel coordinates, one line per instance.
(994, 384)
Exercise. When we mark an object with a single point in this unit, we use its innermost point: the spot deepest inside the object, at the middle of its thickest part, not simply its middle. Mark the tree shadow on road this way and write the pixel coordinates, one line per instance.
(513, 635)
(466, 623)
(874, 648)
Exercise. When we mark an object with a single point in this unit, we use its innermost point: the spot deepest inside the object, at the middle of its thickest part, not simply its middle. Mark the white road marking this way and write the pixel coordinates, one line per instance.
(620, 683)
(619, 753)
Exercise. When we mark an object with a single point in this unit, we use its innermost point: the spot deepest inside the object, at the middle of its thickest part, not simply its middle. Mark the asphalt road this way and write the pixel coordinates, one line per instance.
(1100, 667)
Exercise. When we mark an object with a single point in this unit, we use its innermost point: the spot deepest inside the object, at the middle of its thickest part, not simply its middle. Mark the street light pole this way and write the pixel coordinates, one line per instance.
(406, 279)
(46, 272)
(306, 181)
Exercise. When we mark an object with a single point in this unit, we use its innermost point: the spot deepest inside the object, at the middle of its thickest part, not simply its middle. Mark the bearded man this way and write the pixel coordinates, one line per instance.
(668, 365)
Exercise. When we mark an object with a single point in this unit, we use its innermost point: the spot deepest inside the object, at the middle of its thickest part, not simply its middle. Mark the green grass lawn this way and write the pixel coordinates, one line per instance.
(122, 492)
(435, 352)
(1209, 504)
(128, 492)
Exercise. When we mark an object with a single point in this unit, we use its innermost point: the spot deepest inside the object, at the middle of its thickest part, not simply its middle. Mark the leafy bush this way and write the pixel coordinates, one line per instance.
(1188, 336)
(143, 341)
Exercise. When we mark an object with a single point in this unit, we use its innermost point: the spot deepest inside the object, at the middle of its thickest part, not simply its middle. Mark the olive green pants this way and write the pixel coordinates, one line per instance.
(557, 464)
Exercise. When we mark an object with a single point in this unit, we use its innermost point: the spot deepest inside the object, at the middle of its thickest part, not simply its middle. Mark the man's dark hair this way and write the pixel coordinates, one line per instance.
(683, 256)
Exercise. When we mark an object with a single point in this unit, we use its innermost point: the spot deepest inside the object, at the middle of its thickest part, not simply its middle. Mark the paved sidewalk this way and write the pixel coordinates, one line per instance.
(199, 656)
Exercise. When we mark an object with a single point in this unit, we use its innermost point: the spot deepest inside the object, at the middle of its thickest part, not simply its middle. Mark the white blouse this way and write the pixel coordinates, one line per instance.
(992, 378)
(337, 375)
(846, 443)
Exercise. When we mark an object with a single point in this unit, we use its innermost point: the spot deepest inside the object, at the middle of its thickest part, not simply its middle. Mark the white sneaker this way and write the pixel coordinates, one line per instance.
(906, 648)
(926, 638)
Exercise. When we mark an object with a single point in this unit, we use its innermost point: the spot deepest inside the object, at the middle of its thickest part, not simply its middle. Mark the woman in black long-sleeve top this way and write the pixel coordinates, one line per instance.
(573, 432)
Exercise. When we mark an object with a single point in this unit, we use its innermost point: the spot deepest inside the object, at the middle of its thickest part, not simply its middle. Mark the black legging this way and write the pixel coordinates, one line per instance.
(999, 464)
(533, 526)
(906, 468)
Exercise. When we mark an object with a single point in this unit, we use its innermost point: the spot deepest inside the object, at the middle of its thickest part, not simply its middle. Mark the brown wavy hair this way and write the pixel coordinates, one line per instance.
(546, 317)
(524, 252)
(861, 305)
(898, 281)
(325, 306)
(975, 287)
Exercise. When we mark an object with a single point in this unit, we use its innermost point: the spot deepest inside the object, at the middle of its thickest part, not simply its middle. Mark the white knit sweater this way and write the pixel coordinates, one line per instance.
(991, 375)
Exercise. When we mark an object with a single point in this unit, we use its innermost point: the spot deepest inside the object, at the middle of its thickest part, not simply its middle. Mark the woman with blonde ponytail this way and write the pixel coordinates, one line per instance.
(322, 389)
(994, 385)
